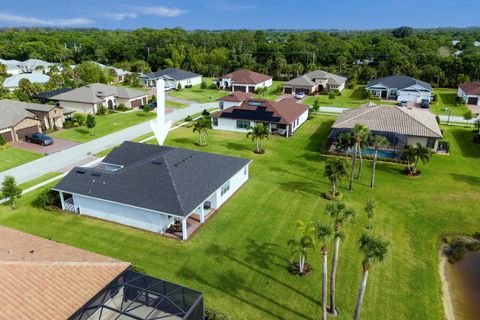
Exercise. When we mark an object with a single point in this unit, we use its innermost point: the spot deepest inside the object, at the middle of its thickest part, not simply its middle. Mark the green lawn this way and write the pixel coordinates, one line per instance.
(446, 99)
(350, 98)
(239, 258)
(197, 94)
(105, 125)
(40, 179)
(13, 157)
(270, 93)
(174, 104)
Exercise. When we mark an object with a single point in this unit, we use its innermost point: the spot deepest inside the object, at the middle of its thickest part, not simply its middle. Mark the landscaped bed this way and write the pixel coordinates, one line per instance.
(239, 259)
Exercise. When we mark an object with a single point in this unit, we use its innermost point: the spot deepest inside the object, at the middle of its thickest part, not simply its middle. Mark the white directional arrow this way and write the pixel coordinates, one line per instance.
(159, 127)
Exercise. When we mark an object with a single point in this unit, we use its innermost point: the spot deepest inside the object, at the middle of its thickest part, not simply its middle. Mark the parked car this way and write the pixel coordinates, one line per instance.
(403, 103)
(152, 105)
(425, 103)
(39, 138)
(300, 95)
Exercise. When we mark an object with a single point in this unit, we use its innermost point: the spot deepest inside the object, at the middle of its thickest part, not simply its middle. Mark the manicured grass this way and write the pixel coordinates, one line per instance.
(239, 258)
(446, 99)
(197, 94)
(12, 157)
(40, 179)
(105, 125)
(270, 93)
(174, 104)
(350, 98)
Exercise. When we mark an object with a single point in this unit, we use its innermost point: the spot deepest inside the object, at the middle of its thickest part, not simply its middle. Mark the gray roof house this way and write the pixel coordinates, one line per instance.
(315, 82)
(401, 126)
(172, 77)
(151, 187)
(89, 98)
(400, 88)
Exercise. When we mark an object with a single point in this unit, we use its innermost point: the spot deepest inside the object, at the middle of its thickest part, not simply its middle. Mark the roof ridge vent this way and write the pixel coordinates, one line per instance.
(184, 160)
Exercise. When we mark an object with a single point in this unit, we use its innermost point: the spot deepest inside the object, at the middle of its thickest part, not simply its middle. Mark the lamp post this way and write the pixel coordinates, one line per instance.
(449, 113)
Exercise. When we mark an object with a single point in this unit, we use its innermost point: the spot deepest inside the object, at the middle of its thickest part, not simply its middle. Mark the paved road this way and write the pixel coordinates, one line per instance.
(79, 153)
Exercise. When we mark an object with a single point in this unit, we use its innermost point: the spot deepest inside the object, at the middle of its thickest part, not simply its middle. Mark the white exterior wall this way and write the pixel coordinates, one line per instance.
(79, 107)
(235, 183)
(227, 104)
(230, 125)
(190, 81)
(465, 96)
(341, 87)
(303, 117)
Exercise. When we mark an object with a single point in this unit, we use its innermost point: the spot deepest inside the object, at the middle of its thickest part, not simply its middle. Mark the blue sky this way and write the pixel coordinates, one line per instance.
(249, 14)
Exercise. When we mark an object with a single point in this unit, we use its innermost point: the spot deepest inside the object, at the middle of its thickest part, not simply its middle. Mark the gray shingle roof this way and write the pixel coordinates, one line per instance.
(308, 79)
(165, 179)
(399, 82)
(13, 111)
(175, 74)
(411, 122)
(93, 93)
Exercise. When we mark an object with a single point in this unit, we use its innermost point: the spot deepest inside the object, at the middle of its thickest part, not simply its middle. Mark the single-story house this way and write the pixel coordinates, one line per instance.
(400, 88)
(45, 96)
(12, 66)
(233, 99)
(119, 73)
(315, 82)
(19, 119)
(151, 187)
(401, 126)
(36, 65)
(46, 280)
(283, 117)
(470, 92)
(89, 98)
(11, 83)
(244, 80)
(172, 77)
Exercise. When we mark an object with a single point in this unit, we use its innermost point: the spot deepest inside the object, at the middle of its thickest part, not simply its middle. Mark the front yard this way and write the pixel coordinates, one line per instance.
(239, 258)
(105, 125)
(12, 157)
(197, 94)
(446, 99)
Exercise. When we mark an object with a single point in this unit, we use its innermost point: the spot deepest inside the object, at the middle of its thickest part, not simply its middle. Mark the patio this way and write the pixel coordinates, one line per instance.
(193, 225)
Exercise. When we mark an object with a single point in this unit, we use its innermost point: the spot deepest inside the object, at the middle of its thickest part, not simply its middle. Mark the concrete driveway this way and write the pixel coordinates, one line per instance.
(58, 145)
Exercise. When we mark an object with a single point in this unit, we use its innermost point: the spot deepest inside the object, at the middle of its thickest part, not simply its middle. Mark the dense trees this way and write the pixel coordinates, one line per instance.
(359, 55)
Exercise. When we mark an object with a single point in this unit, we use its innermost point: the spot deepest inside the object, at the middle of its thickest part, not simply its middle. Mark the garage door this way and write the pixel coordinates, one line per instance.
(136, 103)
(306, 91)
(287, 90)
(239, 88)
(473, 101)
(407, 96)
(21, 133)
(7, 135)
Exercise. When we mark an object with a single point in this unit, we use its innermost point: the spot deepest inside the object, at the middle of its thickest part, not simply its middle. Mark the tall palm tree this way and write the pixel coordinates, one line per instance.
(335, 171)
(340, 214)
(344, 142)
(364, 139)
(304, 241)
(409, 155)
(324, 234)
(258, 133)
(370, 211)
(202, 126)
(378, 142)
(374, 249)
(421, 154)
(360, 133)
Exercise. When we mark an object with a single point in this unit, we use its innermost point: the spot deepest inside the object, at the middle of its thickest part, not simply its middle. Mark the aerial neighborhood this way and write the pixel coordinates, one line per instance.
(213, 175)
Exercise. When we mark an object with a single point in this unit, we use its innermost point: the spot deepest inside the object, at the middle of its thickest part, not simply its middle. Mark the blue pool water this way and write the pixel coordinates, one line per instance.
(381, 153)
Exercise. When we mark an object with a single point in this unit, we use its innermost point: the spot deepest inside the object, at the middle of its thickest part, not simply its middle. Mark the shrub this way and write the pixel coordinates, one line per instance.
(79, 119)
(213, 86)
(456, 251)
(211, 315)
(352, 83)
(147, 109)
(101, 111)
(179, 86)
(203, 85)
(46, 199)
(3, 141)
(188, 86)
(330, 196)
(332, 95)
(188, 119)
(459, 101)
(444, 145)
(437, 118)
(121, 107)
(434, 97)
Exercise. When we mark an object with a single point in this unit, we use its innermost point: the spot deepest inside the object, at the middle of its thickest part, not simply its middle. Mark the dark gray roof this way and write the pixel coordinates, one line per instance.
(399, 82)
(165, 179)
(175, 74)
(96, 92)
(45, 95)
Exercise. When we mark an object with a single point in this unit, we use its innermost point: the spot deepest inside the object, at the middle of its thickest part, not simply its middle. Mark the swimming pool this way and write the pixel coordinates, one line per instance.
(381, 153)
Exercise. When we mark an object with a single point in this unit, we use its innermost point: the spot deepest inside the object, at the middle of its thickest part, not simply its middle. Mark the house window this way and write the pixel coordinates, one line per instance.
(215, 121)
(225, 188)
(430, 143)
(242, 124)
(245, 171)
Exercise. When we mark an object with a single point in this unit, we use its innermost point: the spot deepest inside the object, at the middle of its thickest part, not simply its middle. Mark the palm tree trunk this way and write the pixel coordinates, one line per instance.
(333, 276)
(301, 263)
(324, 287)
(361, 293)
(352, 174)
(360, 163)
(372, 183)
(256, 141)
(334, 186)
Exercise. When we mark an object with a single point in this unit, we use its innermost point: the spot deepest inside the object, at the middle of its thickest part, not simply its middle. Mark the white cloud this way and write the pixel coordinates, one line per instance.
(27, 21)
(121, 16)
(159, 11)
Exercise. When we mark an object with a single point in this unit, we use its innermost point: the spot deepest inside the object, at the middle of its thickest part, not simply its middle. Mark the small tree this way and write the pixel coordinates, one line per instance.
(203, 85)
(316, 105)
(409, 155)
(3, 141)
(335, 171)
(102, 111)
(10, 190)
(147, 109)
(370, 211)
(332, 95)
(302, 243)
(468, 116)
(179, 86)
(202, 126)
(422, 154)
(79, 118)
(258, 134)
(91, 123)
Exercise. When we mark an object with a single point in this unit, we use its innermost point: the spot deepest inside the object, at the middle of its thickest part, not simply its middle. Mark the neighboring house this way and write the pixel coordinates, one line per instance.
(45, 96)
(12, 66)
(11, 83)
(172, 78)
(89, 98)
(19, 119)
(283, 117)
(45, 280)
(244, 80)
(35, 65)
(400, 88)
(151, 187)
(233, 99)
(470, 92)
(119, 73)
(401, 126)
(315, 82)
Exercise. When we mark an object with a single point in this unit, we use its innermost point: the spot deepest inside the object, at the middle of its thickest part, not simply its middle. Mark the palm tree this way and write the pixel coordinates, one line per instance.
(304, 241)
(335, 171)
(340, 214)
(364, 138)
(409, 155)
(258, 133)
(360, 133)
(374, 249)
(324, 234)
(421, 154)
(378, 142)
(202, 126)
(344, 142)
(370, 211)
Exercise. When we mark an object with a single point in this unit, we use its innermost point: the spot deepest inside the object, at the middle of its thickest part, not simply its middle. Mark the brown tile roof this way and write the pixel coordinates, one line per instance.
(287, 110)
(42, 279)
(243, 76)
(471, 88)
(236, 96)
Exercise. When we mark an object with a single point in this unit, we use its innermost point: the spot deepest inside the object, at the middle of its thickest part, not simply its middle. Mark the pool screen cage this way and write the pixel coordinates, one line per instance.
(395, 140)
(136, 296)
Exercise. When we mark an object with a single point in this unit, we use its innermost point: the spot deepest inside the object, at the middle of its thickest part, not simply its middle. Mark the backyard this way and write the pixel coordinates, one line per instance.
(12, 157)
(239, 258)
(197, 94)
